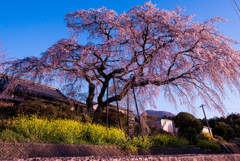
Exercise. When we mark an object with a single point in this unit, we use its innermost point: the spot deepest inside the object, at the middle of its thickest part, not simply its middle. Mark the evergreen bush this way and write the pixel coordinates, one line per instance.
(204, 144)
(169, 141)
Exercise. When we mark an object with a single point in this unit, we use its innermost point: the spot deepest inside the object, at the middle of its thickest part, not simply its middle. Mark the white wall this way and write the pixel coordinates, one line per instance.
(167, 125)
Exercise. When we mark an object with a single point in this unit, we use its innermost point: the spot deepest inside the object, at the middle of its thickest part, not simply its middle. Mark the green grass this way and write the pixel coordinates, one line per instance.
(169, 141)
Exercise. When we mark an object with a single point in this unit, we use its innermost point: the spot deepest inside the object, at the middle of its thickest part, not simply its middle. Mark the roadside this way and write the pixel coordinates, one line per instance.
(188, 157)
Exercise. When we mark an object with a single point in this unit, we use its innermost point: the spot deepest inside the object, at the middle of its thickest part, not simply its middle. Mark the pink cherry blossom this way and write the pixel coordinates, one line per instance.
(147, 48)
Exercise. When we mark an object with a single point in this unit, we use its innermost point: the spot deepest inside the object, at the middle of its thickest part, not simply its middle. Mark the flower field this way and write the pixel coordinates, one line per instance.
(42, 130)
(35, 129)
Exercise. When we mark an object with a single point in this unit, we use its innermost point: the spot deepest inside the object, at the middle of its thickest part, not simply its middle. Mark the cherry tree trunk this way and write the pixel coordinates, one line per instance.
(90, 97)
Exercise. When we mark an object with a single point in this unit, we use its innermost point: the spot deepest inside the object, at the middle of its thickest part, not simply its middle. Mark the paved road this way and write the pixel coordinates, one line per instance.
(186, 157)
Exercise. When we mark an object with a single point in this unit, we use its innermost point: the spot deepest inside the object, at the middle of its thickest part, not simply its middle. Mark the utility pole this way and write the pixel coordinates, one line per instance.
(139, 119)
(128, 115)
(210, 132)
(107, 108)
(119, 118)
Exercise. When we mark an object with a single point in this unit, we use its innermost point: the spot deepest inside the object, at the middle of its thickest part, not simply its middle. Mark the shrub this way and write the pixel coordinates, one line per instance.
(7, 112)
(31, 127)
(128, 147)
(188, 125)
(37, 129)
(3, 124)
(139, 142)
(10, 136)
(112, 118)
(219, 138)
(40, 108)
(83, 118)
(97, 134)
(205, 136)
(169, 141)
(208, 145)
(65, 111)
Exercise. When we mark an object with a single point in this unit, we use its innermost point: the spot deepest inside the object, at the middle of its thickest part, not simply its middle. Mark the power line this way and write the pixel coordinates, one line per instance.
(235, 8)
(236, 5)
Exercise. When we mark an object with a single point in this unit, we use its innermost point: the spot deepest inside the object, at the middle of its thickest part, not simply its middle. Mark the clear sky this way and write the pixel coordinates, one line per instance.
(29, 27)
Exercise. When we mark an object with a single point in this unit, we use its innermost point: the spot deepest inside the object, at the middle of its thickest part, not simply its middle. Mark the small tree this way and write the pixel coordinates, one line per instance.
(224, 130)
(228, 128)
(234, 121)
(188, 125)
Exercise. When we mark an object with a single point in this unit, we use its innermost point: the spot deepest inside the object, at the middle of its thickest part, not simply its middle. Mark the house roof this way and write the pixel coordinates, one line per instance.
(114, 106)
(37, 89)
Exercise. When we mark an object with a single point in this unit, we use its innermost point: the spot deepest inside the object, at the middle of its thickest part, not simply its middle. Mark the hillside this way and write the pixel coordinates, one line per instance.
(159, 114)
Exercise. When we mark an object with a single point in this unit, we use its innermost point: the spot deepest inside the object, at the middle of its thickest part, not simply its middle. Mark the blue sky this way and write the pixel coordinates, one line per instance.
(29, 27)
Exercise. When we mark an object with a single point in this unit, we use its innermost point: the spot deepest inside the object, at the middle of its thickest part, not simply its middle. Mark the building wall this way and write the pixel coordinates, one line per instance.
(205, 130)
(167, 125)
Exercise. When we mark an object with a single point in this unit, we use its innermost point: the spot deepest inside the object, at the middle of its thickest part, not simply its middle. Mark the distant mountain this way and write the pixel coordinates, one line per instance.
(159, 114)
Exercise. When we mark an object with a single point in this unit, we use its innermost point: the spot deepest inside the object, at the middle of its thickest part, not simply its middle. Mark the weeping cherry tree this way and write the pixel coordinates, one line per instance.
(151, 50)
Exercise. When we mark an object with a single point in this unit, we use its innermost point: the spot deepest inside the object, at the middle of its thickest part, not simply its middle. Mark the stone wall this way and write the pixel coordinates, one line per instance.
(33, 150)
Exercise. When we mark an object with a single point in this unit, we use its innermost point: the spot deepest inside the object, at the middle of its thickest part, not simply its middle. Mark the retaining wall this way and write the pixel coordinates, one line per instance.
(31, 150)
